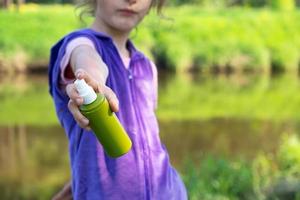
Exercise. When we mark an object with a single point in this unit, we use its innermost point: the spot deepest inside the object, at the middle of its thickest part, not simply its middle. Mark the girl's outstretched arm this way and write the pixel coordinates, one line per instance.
(88, 65)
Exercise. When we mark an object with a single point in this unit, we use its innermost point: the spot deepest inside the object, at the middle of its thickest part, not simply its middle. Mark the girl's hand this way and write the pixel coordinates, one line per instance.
(76, 101)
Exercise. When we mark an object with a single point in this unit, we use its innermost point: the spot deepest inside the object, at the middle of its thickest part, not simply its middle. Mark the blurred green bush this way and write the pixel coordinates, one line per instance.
(278, 4)
(187, 38)
(268, 176)
(283, 4)
(238, 39)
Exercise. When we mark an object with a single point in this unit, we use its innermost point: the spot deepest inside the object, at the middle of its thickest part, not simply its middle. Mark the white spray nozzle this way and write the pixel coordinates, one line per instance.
(85, 91)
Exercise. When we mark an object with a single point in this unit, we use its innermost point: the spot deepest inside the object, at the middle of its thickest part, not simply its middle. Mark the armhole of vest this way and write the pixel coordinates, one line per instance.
(62, 50)
(68, 56)
(93, 39)
(97, 44)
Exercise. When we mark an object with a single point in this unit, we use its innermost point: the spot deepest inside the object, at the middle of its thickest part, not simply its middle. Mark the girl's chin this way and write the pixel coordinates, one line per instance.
(125, 28)
(125, 25)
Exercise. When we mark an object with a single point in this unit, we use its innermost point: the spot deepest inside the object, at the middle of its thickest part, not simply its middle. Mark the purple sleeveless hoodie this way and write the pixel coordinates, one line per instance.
(143, 173)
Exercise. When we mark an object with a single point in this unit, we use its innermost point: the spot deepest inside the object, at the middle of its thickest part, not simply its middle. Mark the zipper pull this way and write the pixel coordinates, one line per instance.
(130, 76)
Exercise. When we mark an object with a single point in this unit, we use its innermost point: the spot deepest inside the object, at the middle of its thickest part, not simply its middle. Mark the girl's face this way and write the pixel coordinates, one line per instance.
(121, 15)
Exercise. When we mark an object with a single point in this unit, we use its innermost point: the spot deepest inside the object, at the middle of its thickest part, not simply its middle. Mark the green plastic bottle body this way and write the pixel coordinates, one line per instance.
(107, 127)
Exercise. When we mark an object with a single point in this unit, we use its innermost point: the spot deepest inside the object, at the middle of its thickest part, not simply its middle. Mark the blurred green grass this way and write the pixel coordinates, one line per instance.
(186, 37)
(217, 178)
(33, 30)
(240, 38)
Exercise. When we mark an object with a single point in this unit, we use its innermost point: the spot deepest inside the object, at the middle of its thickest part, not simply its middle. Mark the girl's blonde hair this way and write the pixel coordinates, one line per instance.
(88, 7)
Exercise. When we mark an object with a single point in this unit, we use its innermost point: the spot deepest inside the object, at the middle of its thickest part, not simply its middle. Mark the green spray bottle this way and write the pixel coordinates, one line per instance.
(103, 121)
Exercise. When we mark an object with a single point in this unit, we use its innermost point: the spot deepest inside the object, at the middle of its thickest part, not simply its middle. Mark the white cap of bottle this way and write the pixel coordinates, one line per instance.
(85, 91)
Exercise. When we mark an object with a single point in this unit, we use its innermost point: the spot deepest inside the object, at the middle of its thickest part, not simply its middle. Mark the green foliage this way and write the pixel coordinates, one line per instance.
(239, 39)
(275, 174)
(37, 29)
(223, 179)
(289, 156)
(278, 4)
(282, 4)
(193, 37)
(219, 179)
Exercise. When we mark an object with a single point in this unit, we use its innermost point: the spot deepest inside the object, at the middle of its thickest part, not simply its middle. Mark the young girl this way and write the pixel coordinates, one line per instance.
(108, 61)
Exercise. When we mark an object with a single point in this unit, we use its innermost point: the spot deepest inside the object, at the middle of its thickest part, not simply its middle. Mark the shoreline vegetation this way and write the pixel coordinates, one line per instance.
(209, 40)
(187, 39)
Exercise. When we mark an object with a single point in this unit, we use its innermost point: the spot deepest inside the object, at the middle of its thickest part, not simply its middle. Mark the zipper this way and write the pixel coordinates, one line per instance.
(145, 160)
(142, 141)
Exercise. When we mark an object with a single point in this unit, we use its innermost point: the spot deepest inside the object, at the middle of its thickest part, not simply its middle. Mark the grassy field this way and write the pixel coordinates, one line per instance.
(187, 37)
(28, 34)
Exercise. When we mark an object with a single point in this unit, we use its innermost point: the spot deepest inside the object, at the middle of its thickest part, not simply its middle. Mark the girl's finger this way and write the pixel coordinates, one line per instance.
(109, 94)
(111, 98)
(82, 74)
(79, 118)
(73, 94)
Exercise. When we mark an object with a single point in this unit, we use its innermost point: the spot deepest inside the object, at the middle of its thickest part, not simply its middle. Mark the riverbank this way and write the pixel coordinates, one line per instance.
(189, 38)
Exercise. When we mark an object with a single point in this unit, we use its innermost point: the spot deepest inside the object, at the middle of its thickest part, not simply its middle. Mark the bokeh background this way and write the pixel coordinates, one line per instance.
(229, 100)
